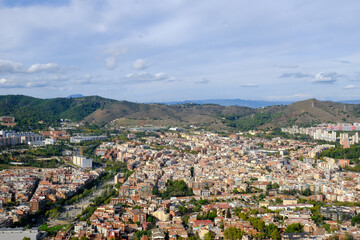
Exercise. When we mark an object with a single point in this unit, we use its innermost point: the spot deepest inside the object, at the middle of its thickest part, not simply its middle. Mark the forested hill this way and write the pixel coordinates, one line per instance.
(98, 110)
(30, 110)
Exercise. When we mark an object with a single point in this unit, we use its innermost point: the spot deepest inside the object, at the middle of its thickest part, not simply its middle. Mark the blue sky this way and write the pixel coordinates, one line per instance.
(149, 50)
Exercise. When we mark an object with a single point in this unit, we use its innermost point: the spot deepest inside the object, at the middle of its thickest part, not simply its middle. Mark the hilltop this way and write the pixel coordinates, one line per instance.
(101, 111)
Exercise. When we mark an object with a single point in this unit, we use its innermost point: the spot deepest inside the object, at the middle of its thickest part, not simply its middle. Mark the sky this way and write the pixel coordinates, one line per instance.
(158, 51)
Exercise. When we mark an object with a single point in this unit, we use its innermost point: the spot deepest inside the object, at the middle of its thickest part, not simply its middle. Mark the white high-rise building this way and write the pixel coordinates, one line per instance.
(82, 161)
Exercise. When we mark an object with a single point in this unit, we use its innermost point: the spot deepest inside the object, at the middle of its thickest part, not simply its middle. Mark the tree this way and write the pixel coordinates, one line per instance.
(294, 228)
(261, 197)
(183, 210)
(185, 219)
(222, 225)
(316, 215)
(53, 213)
(26, 238)
(233, 233)
(209, 236)
(272, 231)
(306, 192)
(355, 220)
(275, 234)
(228, 214)
(275, 186)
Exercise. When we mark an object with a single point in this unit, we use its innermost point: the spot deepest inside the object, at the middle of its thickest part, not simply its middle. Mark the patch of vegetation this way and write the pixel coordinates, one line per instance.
(47, 151)
(276, 132)
(28, 111)
(176, 188)
(250, 122)
(339, 152)
(294, 228)
(27, 160)
(355, 220)
(139, 234)
(269, 231)
(211, 215)
(54, 229)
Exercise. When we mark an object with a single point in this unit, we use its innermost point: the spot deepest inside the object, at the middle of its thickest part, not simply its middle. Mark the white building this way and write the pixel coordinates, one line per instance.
(82, 161)
(79, 139)
(49, 141)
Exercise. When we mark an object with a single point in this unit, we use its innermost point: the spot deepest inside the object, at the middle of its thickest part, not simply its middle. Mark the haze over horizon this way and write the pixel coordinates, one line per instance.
(156, 51)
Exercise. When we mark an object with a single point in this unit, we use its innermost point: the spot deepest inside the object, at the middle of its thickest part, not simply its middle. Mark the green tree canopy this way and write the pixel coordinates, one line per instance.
(233, 233)
(209, 236)
(294, 228)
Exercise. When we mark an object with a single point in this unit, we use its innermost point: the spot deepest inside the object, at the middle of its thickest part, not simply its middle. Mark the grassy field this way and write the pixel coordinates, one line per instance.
(54, 229)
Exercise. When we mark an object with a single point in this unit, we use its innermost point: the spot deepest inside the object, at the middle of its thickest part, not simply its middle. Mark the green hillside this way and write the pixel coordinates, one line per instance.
(29, 110)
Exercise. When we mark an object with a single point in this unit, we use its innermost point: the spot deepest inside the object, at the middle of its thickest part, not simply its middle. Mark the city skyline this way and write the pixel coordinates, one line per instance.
(146, 51)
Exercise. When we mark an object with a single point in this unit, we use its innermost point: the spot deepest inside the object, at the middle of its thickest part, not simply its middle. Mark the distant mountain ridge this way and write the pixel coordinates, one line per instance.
(75, 96)
(233, 102)
(94, 109)
(244, 102)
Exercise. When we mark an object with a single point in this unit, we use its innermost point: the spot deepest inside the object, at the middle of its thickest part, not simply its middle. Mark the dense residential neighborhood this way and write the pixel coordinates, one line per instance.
(194, 184)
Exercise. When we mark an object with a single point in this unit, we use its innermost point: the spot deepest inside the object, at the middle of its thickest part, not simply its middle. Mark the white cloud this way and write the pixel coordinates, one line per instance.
(111, 63)
(161, 76)
(145, 77)
(10, 67)
(326, 78)
(47, 67)
(140, 64)
(350, 87)
(3, 81)
(31, 81)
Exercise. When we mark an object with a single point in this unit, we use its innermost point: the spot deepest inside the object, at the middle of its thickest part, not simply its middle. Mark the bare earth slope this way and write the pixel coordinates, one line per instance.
(313, 111)
(134, 114)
